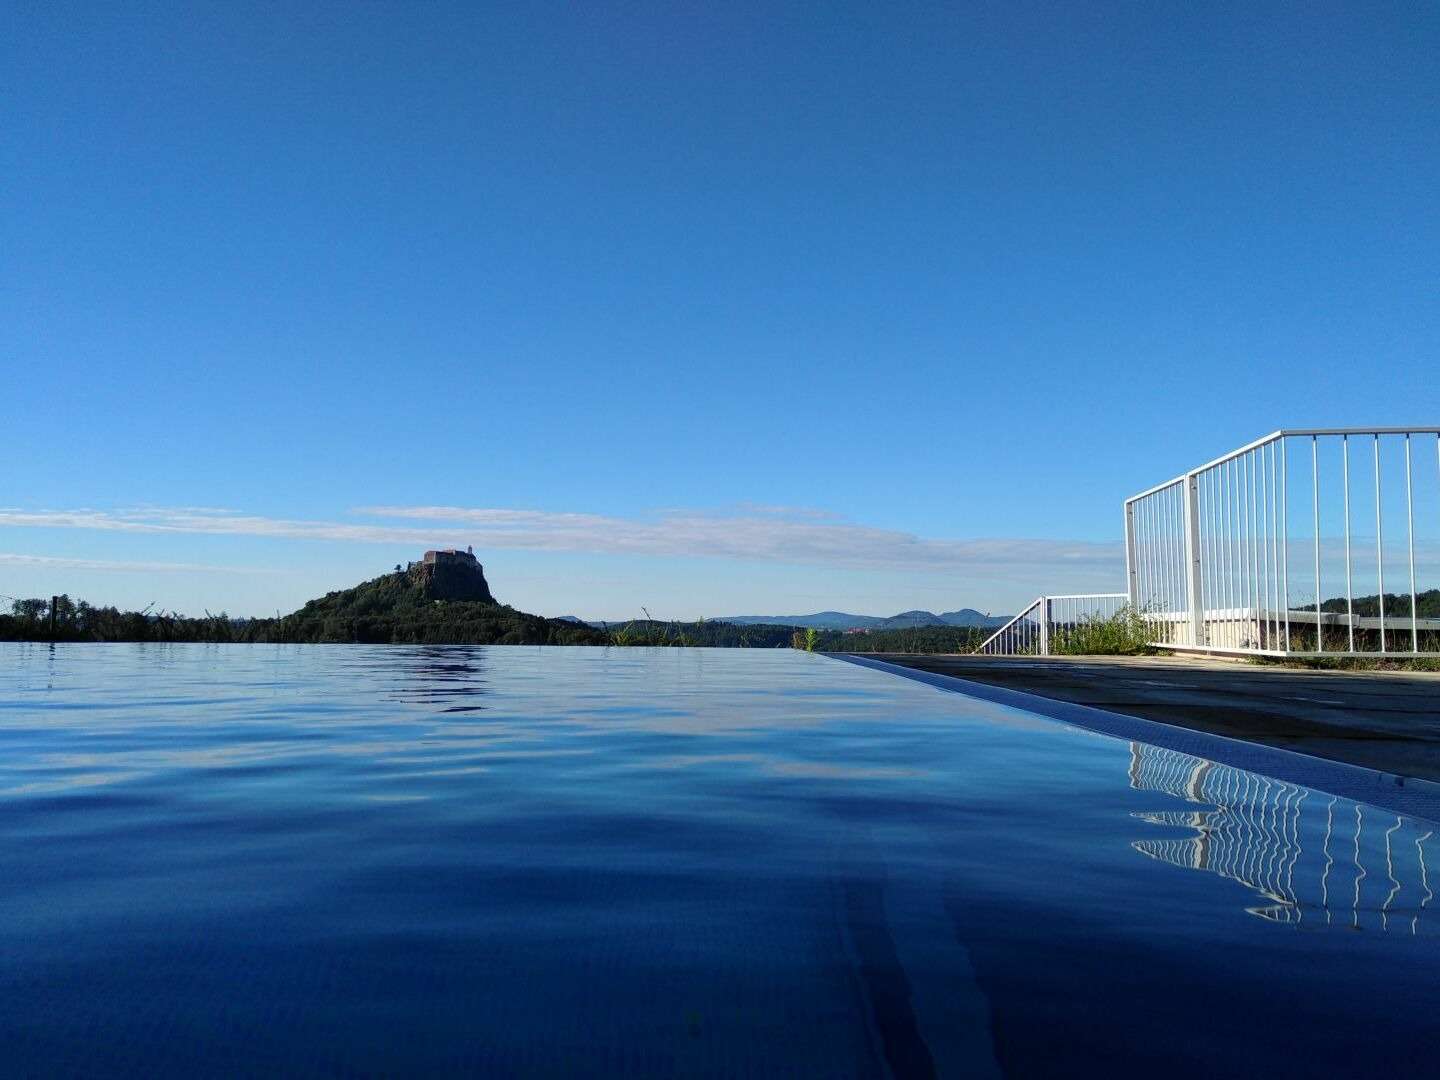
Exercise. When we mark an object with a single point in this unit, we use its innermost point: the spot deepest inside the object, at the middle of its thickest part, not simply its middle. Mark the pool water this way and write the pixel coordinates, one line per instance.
(371, 860)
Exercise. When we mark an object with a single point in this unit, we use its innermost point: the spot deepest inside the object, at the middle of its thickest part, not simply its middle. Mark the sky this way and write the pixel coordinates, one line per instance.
(710, 309)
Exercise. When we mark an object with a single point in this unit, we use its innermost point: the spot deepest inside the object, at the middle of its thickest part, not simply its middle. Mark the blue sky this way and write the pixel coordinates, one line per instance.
(707, 308)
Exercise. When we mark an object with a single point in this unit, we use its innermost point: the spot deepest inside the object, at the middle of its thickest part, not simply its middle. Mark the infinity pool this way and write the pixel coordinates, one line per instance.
(342, 860)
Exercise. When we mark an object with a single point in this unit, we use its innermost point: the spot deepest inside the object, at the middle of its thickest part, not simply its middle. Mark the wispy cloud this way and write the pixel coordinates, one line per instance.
(769, 534)
(60, 562)
(774, 535)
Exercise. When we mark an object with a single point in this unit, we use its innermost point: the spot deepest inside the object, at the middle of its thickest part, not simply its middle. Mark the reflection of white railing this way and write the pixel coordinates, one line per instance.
(1242, 554)
(1034, 631)
(1311, 858)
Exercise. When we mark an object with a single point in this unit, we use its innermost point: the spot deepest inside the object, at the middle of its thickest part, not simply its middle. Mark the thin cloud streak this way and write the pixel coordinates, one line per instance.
(766, 537)
(749, 536)
(64, 563)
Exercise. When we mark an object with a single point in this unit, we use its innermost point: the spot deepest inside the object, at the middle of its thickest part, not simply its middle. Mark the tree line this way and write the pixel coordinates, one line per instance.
(387, 614)
(440, 623)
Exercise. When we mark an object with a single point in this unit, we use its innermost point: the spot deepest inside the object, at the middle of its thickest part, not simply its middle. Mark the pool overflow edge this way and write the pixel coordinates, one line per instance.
(1410, 796)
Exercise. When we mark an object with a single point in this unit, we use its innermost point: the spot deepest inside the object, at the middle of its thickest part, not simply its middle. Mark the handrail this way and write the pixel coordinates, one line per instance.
(1282, 433)
(1033, 605)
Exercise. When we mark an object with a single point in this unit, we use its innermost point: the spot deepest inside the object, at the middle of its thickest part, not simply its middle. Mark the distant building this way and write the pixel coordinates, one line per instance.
(450, 557)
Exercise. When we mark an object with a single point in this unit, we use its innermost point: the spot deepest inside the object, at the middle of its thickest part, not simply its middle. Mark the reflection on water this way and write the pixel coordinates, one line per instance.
(449, 677)
(450, 860)
(1319, 859)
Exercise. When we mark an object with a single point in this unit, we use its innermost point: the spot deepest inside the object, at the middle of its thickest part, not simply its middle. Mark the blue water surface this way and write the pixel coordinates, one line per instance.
(340, 860)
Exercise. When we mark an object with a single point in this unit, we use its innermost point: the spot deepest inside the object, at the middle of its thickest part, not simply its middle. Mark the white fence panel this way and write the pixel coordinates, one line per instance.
(1306, 542)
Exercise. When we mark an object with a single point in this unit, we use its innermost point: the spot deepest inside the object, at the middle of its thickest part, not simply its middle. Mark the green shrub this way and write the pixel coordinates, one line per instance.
(1125, 633)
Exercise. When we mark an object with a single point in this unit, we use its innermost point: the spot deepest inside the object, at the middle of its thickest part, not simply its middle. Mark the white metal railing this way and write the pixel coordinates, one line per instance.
(1044, 625)
(1285, 547)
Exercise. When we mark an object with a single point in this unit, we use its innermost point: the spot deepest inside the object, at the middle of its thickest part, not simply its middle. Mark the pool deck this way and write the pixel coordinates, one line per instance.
(1388, 721)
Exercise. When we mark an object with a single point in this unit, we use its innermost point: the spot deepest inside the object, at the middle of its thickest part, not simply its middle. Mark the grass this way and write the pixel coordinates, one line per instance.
(1351, 663)
(1125, 633)
(1367, 640)
(651, 633)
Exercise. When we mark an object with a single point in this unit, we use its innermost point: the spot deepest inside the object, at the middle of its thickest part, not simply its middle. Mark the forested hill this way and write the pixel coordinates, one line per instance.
(399, 607)
(402, 607)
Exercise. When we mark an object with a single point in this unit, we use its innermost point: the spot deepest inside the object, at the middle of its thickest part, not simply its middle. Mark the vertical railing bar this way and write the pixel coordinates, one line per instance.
(1177, 556)
(1349, 590)
(1144, 523)
(1272, 517)
(1197, 599)
(1156, 583)
(1217, 579)
(1264, 550)
(1233, 530)
(1315, 502)
(1167, 559)
(1132, 583)
(1266, 529)
(1257, 475)
(1200, 554)
(1274, 547)
(1194, 559)
(1137, 524)
(1253, 571)
(1204, 509)
(1143, 542)
(1156, 580)
(1217, 511)
(1213, 588)
(1181, 603)
(1254, 543)
(1217, 528)
(1285, 535)
(1152, 506)
(1231, 634)
(1410, 539)
(1379, 545)
(1161, 583)
(1162, 516)
(1243, 546)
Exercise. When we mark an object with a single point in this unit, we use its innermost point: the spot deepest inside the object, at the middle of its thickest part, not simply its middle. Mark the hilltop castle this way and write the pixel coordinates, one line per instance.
(451, 574)
(451, 557)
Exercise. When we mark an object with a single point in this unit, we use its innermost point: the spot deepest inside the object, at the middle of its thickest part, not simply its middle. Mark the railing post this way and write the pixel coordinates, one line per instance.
(1045, 626)
(1192, 559)
(1132, 579)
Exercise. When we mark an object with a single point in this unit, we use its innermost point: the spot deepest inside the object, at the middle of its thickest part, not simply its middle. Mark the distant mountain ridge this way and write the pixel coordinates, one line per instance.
(841, 620)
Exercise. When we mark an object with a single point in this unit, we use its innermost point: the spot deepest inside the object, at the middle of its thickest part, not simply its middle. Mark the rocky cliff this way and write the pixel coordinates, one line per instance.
(453, 580)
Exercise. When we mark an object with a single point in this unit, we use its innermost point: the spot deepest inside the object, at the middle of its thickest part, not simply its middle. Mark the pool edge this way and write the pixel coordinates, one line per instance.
(1407, 795)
